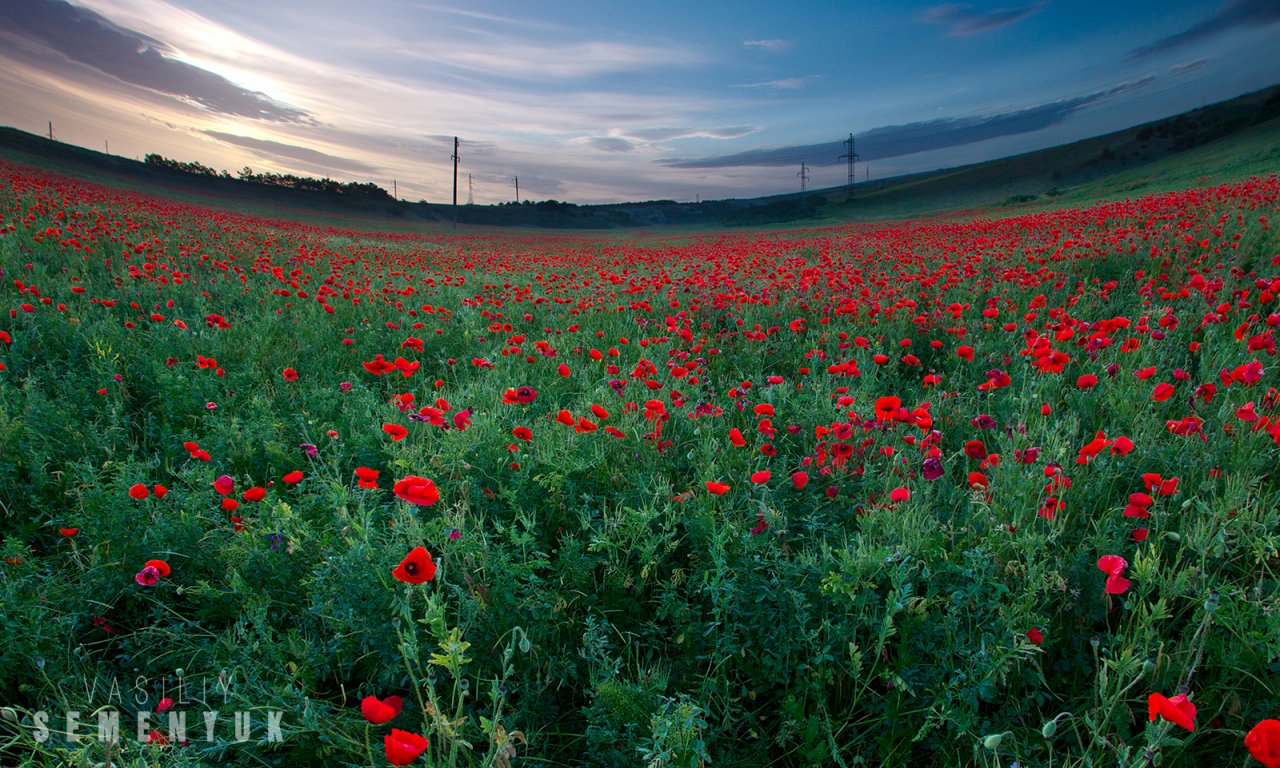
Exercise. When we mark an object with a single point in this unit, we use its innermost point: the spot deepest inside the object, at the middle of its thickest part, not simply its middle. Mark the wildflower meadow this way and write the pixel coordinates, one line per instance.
(963, 490)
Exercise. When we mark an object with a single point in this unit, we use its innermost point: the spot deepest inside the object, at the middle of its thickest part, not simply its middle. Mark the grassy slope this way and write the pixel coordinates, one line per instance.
(1072, 175)
(1178, 152)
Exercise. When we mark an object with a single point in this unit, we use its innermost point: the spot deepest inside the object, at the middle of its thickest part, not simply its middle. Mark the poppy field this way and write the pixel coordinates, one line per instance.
(950, 491)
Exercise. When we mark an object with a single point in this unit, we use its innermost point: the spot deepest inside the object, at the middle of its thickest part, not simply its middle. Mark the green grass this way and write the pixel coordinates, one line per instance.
(595, 603)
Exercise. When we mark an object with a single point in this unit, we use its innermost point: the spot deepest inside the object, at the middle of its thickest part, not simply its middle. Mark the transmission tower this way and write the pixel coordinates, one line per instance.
(471, 193)
(804, 180)
(517, 181)
(850, 156)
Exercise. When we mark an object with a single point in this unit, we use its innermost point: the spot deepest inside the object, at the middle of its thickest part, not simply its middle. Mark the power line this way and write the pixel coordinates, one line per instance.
(454, 158)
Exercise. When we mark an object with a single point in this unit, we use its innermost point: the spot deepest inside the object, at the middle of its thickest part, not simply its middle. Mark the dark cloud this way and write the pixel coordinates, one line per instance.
(1190, 66)
(277, 149)
(911, 138)
(609, 144)
(1232, 15)
(85, 37)
(966, 20)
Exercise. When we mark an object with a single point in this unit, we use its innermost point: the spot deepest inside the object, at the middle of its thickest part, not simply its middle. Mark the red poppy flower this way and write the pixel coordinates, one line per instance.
(716, 488)
(1263, 743)
(735, 437)
(523, 433)
(404, 747)
(68, 532)
(1035, 636)
(290, 374)
(368, 478)
(397, 431)
(160, 491)
(417, 490)
(147, 577)
(416, 567)
(1114, 566)
(886, 407)
(257, 493)
(379, 711)
(462, 420)
(293, 478)
(899, 494)
(799, 479)
(520, 395)
(152, 572)
(1122, 446)
(761, 477)
(1164, 486)
(1179, 710)
(224, 485)
(1162, 392)
(139, 491)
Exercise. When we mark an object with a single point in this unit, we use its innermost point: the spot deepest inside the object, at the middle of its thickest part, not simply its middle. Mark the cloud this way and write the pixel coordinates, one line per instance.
(609, 144)
(567, 61)
(1232, 15)
(668, 134)
(781, 84)
(1189, 66)
(911, 138)
(771, 45)
(85, 37)
(278, 149)
(964, 20)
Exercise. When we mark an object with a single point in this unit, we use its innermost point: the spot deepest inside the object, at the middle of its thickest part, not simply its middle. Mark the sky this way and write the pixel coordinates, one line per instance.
(605, 101)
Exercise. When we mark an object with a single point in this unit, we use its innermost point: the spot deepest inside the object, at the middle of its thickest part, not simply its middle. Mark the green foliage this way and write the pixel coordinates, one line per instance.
(594, 604)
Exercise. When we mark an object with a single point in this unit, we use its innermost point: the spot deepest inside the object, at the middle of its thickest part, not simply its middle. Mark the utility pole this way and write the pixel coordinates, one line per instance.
(395, 189)
(454, 158)
(850, 156)
(106, 147)
(471, 192)
(50, 130)
(804, 180)
(517, 180)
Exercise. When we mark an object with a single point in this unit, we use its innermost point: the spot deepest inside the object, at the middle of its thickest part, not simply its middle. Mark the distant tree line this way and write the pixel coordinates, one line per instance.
(326, 185)
(1205, 125)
